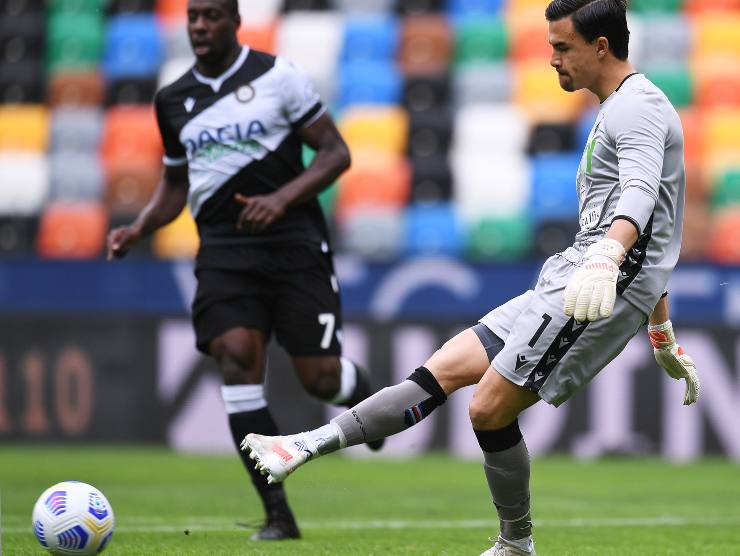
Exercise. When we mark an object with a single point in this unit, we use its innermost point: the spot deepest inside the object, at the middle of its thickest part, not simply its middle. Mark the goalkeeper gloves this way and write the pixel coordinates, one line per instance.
(672, 358)
(592, 289)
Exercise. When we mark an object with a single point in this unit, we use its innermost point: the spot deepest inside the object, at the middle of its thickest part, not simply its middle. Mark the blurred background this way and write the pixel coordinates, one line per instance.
(463, 180)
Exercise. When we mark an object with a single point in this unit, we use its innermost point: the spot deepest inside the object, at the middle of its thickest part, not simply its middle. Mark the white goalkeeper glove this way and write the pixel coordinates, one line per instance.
(592, 289)
(672, 358)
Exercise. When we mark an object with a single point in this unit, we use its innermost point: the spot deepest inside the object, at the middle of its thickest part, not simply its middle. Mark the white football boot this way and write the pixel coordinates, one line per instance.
(278, 456)
(505, 548)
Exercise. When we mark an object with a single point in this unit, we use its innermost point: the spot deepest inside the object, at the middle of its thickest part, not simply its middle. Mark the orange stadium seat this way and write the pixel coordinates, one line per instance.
(528, 28)
(375, 179)
(704, 6)
(258, 36)
(691, 120)
(72, 230)
(426, 44)
(171, 11)
(130, 133)
(697, 223)
(724, 245)
(538, 93)
(83, 88)
(384, 128)
(177, 240)
(717, 81)
(24, 127)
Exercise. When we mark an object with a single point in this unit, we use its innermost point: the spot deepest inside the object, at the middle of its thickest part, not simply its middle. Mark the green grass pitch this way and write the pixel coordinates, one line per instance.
(433, 505)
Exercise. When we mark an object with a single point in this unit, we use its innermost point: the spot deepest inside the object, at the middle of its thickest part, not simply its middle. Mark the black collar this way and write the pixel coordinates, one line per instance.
(625, 79)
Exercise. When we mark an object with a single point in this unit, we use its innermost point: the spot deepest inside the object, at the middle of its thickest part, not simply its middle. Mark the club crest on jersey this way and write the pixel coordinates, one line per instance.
(245, 93)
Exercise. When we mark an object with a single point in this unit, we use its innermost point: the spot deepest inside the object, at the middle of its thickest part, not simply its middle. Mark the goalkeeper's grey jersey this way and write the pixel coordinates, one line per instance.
(633, 168)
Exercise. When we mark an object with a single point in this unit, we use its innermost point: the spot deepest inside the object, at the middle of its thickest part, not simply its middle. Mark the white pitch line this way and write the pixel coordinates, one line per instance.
(216, 524)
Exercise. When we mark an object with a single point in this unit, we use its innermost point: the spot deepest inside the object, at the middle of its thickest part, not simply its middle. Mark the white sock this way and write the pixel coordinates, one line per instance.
(325, 440)
(348, 382)
(522, 544)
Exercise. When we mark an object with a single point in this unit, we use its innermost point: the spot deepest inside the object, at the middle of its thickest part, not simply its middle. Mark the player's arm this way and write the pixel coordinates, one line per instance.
(165, 205)
(669, 354)
(332, 158)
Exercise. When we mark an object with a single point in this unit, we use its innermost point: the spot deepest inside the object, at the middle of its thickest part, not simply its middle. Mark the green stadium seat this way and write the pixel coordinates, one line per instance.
(72, 7)
(480, 39)
(503, 239)
(675, 82)
(644, 6)
(727, 188)
(75, 41)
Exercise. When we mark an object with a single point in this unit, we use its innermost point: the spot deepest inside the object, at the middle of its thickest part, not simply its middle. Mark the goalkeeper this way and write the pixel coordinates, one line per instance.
(588, 301)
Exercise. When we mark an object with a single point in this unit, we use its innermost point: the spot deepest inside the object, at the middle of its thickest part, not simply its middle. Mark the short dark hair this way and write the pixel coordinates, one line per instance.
(596, 18)
(232, 6)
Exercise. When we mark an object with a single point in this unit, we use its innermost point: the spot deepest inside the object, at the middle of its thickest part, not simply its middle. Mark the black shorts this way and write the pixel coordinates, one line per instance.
(291, 290)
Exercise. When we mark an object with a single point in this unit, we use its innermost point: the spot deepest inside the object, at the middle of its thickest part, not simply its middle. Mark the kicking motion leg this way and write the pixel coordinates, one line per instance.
(460, 362)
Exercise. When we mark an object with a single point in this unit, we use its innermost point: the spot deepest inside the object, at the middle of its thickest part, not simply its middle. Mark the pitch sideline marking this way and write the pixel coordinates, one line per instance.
(218, 524)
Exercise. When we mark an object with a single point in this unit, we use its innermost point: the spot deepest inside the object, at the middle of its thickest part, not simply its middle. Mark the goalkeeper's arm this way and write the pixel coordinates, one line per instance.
(669, 354)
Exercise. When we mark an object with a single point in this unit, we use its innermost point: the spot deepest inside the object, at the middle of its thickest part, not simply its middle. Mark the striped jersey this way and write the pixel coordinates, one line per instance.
(237, 134)
(633, 168)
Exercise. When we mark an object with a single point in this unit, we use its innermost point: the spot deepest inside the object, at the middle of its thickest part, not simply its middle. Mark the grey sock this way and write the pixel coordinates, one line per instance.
(507, 472)
(387, 412)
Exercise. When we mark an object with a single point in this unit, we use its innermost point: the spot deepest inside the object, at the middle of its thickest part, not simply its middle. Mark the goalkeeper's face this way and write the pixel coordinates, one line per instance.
(575, 60)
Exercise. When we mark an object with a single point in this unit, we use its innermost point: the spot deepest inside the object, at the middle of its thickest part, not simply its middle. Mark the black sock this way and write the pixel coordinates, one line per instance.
(260, 422)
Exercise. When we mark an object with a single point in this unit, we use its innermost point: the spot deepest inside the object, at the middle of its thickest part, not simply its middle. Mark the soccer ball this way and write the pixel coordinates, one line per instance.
(73, 518)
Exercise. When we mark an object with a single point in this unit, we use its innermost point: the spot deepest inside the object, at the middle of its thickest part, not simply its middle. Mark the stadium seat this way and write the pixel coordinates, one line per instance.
(175, 40)
(21, 7)
(490, 129)
(72, 230)
(717, 34)
(696, 7)
(368, 83)
(131, 90)
(538, 93)
(260, 12)
(528, 31)
(25, 182)
(375, 233)
(295, 40)
(431, 179)
(74, 41)
(178, 240)
(422, 92)
(667, 40)
(724, 243)
(418, 7)
(23, 81)
(720, 132)
(73, 7)
(698, 182)
(498, 238)
(259, 36)
(697, 227)
(549, 138)
(659, 6)
(675, 82)
(17, 234)
(305, 5)
(480, 39)
(84, 88)
(554, 192)
(24, 127)
(553, 236)
(726, 190)
(370, 38)
(130, 134)
(384, 128)
(172, 12)
(717, 82)
(76, 176)
(490, 183)
(22, 37)
(118, 7)
(430, 133)
(487, 82)
(128, 187)
(133, 47)
(433, 229)
(692, 123)
(362, 6)
(173, 69)
(376, 179)
(426, 44)
(474, 8)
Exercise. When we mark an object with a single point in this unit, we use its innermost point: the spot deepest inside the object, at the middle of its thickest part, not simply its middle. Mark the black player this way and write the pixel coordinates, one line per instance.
(233, 128)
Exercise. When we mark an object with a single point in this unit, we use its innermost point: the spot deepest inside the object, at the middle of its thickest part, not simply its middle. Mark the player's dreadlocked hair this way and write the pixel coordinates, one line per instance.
(596, 18)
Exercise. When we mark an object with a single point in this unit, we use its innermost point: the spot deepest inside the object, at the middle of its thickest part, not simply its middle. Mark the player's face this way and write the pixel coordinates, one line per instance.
(212, 29)
(574, 59)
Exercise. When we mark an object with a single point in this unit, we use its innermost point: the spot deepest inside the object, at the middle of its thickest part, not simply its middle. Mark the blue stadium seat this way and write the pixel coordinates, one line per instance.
(474, 7)
(554, 192)
(133, 47)
(370, 38)
(369, 83)
(433, 229)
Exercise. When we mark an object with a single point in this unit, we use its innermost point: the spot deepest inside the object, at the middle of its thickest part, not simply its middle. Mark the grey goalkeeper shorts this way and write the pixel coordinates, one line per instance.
(549, 353)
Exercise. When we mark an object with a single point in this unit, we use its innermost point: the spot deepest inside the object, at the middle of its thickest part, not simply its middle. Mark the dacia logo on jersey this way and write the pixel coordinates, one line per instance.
(230, 134)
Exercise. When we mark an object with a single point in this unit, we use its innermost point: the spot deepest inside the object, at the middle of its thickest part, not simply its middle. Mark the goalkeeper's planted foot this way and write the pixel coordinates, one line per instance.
(278, 456)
